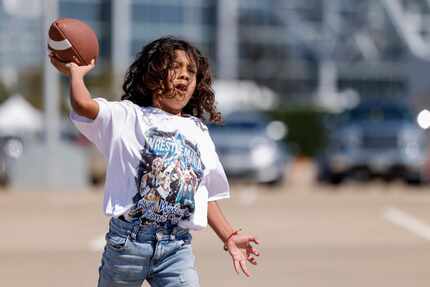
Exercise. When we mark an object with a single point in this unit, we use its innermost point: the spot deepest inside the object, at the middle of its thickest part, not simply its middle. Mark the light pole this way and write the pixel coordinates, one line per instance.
(327, 92)
(51, 91)
(120, 40)
(227, 39)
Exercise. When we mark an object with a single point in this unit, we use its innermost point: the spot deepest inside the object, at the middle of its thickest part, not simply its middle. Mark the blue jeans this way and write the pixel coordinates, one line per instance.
(134, 253)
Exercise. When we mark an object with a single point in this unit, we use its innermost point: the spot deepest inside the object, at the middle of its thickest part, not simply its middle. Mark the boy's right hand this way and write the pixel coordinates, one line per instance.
(71, 69)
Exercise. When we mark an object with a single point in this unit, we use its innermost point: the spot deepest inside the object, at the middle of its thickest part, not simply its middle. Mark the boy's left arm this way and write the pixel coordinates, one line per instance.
(238, 245)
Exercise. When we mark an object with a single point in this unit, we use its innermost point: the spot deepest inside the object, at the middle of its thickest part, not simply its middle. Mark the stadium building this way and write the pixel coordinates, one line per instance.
(304, 50)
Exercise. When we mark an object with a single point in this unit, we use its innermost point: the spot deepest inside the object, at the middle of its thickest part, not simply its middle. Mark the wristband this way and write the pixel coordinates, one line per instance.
(236, 232)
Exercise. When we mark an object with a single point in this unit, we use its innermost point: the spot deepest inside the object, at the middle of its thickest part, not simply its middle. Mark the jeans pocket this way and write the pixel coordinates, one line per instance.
(116, 242)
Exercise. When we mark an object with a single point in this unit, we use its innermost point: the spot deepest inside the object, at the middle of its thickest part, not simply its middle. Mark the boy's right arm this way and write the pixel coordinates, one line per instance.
(80, 97)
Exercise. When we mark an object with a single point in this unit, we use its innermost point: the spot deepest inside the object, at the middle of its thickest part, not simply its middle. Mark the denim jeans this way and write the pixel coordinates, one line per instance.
(134, 253)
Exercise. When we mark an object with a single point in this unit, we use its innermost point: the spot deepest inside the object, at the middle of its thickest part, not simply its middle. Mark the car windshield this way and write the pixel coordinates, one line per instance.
(378, 113)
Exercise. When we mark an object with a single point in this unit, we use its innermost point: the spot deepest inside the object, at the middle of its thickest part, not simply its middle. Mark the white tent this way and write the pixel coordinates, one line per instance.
(17, 116)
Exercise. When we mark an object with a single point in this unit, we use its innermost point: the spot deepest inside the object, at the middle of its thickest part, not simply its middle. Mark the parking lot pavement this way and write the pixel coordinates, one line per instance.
(353, 235)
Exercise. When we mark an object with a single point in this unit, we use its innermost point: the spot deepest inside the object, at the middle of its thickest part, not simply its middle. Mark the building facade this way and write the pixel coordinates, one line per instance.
(281, 44)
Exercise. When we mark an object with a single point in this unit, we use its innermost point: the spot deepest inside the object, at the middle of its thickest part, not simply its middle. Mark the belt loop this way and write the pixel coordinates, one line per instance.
(159, 235)
(134, 231)
(173, 233)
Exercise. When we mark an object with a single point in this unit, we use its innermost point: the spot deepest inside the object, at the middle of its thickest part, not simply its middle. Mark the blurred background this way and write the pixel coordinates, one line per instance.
(325, 138)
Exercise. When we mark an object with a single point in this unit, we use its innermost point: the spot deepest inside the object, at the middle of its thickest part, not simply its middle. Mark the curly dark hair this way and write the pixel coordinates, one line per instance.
(148, 75)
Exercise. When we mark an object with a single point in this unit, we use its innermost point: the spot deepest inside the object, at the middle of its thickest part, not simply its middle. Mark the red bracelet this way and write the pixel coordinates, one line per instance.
(236, 232)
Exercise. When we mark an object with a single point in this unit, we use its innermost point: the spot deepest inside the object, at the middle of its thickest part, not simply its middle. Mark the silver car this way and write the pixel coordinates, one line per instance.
(249, 147)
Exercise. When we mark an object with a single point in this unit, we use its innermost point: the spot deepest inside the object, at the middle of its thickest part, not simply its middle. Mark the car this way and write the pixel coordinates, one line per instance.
(376, 138)
(249, 147)
(11, 148)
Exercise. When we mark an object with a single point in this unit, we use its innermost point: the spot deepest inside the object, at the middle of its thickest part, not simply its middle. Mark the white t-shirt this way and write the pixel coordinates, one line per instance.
(161, 168)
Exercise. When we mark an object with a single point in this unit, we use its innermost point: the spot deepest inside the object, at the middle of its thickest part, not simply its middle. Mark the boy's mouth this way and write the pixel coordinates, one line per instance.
(181, 87)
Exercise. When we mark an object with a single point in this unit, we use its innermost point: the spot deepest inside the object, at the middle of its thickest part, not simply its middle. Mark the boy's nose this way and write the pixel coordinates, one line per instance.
(184, 76)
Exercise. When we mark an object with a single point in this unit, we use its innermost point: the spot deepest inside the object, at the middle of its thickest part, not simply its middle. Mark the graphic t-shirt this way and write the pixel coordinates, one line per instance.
(161, 168)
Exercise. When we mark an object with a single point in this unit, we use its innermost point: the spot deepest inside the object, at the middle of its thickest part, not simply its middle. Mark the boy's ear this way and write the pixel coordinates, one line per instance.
(156, 100)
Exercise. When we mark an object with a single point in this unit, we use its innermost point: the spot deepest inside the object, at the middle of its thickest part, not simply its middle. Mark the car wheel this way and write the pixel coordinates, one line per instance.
(276, 182)
(336, 179)
(4, 180)
(96, 179)
(414, 179)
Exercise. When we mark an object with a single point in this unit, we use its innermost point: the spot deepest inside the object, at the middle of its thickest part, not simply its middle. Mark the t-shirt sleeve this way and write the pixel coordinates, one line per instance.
(106, 127)
(215, 180)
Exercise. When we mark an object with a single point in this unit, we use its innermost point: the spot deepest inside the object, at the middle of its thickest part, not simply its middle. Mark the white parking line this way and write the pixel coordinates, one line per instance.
(97, 244)
(407, 221)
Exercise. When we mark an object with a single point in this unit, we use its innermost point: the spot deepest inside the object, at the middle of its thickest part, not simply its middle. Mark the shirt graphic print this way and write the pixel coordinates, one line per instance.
(168, 176)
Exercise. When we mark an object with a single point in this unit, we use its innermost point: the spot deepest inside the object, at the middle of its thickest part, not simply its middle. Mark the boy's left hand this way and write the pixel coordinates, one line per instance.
(241, 250)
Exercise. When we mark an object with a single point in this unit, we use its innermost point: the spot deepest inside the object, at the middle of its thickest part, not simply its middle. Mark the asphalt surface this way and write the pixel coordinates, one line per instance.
(358, 234)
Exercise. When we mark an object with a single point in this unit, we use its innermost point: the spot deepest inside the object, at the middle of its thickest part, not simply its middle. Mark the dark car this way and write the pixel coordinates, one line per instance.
(376, 138)
(249, 148)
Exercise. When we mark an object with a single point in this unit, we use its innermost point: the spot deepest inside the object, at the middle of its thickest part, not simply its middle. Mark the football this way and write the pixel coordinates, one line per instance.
(72, 40)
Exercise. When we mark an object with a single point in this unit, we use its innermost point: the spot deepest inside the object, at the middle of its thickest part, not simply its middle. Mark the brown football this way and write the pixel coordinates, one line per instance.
(72, 40)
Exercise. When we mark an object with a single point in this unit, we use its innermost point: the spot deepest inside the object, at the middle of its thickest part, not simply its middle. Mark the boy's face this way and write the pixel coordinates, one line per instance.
(183, 80)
